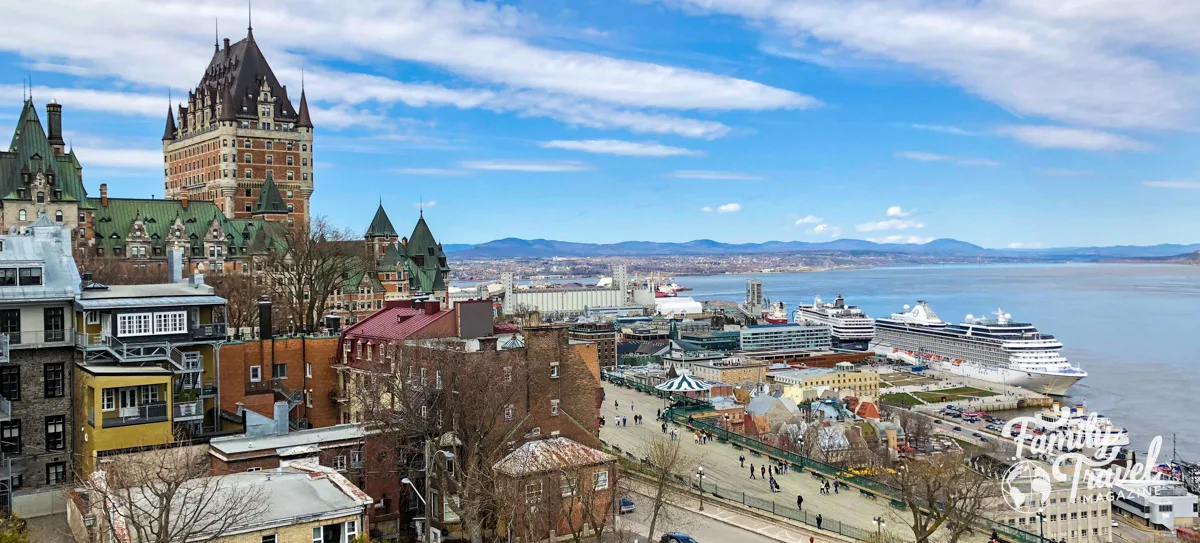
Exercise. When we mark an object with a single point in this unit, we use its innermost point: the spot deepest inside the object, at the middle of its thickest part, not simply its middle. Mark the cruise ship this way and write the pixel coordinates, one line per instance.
(852, 329)
(997, 350)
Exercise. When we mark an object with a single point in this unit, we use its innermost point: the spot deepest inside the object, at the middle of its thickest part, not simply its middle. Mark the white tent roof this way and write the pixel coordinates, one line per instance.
(684, 383)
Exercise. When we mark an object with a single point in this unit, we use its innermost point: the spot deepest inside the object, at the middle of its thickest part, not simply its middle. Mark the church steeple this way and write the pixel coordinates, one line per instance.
(169, 131)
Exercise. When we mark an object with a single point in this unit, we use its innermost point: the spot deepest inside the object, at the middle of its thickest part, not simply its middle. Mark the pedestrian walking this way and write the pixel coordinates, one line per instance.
(742, 459)
(763, 470)
(752, 471)
(658, 413)
(771, 484)
(819, 519)
(799, 501)
(664, 427)
(616, 404)
(631, 406)
(835, 486)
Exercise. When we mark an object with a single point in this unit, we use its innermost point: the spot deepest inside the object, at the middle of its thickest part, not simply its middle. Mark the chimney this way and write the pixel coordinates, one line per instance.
(55, 135)
(264, 317)
(183, 201)
(226, 44)
(103, 194)
(175, 266)
(432, 307)
(333, 322)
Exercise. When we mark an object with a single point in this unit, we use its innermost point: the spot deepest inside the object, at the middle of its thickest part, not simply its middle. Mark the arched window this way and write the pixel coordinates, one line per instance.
(58, 216)
(21, 215)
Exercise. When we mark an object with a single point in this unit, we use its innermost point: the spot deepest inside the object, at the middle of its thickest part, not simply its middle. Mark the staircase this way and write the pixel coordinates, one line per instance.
(293, 398)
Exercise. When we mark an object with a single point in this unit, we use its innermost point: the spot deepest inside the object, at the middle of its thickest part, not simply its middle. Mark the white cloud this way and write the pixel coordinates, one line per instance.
(808, 220)
(123, 103)
(890, 224)
(945, 129)
(707, 209)
(120, 158)
(1064, 172)
(901, 239)
(827, 229)
(897, 211)
(1025, 245)
(1172, 184)
(425, 205)
(488, 46)
(934, 157)
(429, 171)
(709, 174)
(1105, 64)
(1059, 137)
(538, 166)
(732, 207)
(618, 147)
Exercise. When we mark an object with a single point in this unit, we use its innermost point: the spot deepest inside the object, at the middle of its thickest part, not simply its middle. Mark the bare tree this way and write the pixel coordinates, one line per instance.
(942, 491)
(305, 265)
(167, 495)
(241, 293)
(13, 530)
(918, 429)
(667, 461)
(118, 271)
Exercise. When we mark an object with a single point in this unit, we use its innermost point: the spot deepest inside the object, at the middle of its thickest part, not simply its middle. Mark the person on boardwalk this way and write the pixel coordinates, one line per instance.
(742, 459)
(819, 521)
(799, 501)
(772, 485)
(752, 471)
(616, 404)
(811, 540)
(631, 406)
(664, 427)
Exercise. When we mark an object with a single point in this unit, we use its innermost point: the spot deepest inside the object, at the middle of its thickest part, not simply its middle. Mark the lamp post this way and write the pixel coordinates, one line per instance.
(700, 476)
(424, 501)
(1041, 526)
(880, 524)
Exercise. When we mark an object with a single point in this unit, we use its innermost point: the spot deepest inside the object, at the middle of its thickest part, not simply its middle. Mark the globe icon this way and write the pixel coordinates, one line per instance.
(1026, 487)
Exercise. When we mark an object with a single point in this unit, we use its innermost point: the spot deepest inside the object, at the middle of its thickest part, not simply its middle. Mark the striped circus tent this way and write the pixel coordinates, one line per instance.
(683, 383)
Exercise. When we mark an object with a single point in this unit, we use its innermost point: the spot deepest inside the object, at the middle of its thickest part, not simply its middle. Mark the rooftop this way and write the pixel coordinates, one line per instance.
(549, 455)
(802, 373)
(96, 369)
(47, 246)
(395, 322)
(245, 444)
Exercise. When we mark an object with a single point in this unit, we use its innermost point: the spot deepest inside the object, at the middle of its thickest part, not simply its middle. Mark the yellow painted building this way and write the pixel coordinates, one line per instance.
(734, 371)
(807, 384)
(120, 407)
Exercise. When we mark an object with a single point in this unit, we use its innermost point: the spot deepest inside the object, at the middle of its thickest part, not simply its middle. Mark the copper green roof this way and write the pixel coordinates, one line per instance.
(30, 153)
(426, 264)
(166, 221)
(269, 199)
(381, 226)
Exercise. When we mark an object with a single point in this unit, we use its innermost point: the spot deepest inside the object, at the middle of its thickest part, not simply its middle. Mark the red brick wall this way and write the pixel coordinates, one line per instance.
(237, 358)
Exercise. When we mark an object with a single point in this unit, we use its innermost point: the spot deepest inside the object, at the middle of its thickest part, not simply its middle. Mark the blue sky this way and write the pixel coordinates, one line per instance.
(1016, 123)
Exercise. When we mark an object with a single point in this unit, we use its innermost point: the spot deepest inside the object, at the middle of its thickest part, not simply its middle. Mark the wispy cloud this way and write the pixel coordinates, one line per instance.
(525, 166)
(120, 158)
(709, 174)
(1064, 172)
(619, 147)
(429, 171)
(945, 129)
(897, 211)
(935, 157)
(732, 207)
(1172, 184)
(827, 229)
(1082, 139)
(890, 224)
(810, 219)
(425, 205)
(901, 239)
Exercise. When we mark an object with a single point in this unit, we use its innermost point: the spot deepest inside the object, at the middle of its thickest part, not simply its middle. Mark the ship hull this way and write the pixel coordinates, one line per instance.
(1051, 384)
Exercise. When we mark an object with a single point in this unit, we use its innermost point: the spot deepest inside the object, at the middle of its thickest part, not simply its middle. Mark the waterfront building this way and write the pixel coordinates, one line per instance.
(1086, 518)
(38, 286)
(717, 340)
(603, 334)
(238, 141)
(564, 301)
(727, 370)
(1163, 505)
(804, 385)
(147, 367)
(786, 336)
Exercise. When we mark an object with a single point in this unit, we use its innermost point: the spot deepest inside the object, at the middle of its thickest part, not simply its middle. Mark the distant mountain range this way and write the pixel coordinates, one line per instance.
(544, 248)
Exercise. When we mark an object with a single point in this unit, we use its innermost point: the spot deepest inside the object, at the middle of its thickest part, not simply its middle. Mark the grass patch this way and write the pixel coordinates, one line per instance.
(968, 391)
(900, 399)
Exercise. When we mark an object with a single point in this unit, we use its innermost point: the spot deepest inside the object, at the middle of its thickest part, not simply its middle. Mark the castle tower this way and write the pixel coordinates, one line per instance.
(380, 234)
(238, 130)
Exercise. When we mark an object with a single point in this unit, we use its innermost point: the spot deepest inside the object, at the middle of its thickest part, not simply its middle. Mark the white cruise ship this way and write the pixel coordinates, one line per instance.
(852, 329)
(997, 350)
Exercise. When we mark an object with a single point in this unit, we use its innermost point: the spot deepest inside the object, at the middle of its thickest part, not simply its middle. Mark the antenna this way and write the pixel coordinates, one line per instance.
(216, 34)
(249, 15)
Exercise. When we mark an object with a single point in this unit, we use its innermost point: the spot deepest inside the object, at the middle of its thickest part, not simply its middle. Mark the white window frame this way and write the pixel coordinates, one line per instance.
(318, 534)
(351, 530)
(568, 484)
(508, 376)
(553, 408)
(437, 379)
(339, 462)
(308, 370)
(554, 370)
(92, 317)
(108, 399)
(356, 458)
(308, 395)
(601, 479)
(255, 374)
(533, 495)
(508, 412)
(135, 324)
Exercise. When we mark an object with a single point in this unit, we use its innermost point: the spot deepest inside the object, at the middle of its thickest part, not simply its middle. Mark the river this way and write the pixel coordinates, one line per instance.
(1127, 325)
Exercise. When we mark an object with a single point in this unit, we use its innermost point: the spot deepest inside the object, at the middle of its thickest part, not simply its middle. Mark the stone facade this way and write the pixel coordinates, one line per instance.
(33, 410)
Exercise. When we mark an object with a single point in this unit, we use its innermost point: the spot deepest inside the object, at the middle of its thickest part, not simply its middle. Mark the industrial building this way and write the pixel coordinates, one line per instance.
(787, 336)
(564, 301)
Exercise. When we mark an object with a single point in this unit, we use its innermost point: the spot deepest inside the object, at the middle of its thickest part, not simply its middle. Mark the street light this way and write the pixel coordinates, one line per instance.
(424, 501)
(700, 476)
(880, 524)
(1041, 526)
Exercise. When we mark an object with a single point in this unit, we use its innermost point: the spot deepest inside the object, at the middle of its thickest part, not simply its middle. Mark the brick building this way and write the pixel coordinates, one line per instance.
(603, 334)
(237, 134)
(348, 449)
(556, 487)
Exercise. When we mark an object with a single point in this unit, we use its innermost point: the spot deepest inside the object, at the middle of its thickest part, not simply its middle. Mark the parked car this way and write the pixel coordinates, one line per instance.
(937, 421)
(626, 506)
(958, 428)
(976, 434)
(983, 439)
(676, 537)
(1115, 524)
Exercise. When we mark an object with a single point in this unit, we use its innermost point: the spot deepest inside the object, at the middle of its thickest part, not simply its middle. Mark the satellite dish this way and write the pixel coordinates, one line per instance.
(970, 317)
(907, 307)
(1007, 316)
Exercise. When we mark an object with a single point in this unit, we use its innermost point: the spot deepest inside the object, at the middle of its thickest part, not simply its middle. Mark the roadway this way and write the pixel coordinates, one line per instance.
(727, 526)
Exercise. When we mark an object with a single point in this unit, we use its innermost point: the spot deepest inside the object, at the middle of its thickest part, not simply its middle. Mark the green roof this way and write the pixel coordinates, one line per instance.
(30, 152)
(426, 262)
(163, 222)
(381, 226)
(269, 199)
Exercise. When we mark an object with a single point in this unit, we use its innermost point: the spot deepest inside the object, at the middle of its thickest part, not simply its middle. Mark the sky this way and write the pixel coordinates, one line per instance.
(1006, 123)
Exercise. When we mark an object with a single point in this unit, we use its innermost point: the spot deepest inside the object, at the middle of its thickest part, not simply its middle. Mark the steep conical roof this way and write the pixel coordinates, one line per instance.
(169, 131)
(269, 200)
(228, 110)
(421, 239)
(381, 226)
(305, 121)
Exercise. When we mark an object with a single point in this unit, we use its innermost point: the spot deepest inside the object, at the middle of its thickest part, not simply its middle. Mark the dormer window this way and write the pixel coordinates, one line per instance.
(21, 192)
(58, 195)
(41, 197)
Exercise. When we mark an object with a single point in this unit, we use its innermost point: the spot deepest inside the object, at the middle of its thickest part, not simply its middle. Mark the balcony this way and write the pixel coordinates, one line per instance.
(21, 339)
(215, 330)
(185, 410)
(4, 359)
(142, 414)
(339, 395)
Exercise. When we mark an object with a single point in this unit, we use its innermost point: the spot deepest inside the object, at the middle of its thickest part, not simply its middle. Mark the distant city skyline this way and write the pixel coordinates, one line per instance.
(1006, 125)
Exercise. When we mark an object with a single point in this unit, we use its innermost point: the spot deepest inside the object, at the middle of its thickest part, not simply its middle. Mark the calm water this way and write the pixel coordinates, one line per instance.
(1134, 328)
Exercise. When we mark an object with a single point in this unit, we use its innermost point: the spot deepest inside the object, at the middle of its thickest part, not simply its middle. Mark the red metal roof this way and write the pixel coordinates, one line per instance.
(394, 323)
